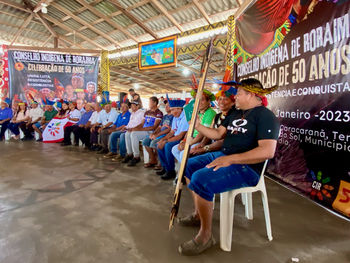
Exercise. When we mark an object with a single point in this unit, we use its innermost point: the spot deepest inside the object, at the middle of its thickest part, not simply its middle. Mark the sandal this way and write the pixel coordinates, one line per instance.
(149, 165)
(193, 248)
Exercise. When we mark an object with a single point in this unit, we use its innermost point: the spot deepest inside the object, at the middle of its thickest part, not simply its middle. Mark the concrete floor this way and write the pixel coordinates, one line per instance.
(65, 205)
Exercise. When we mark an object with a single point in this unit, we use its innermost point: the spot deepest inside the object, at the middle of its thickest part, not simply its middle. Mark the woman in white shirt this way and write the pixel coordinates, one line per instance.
(74, 114)
(20, 118)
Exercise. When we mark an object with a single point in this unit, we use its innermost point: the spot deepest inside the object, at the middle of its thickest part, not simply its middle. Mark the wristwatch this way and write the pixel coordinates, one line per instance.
(206, 148)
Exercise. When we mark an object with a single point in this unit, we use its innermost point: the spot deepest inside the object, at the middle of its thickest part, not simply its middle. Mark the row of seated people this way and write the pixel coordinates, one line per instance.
(227, 151)
(34, 118)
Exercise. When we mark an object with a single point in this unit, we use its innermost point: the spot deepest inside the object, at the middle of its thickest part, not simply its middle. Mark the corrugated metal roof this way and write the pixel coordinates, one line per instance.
(104, 27)
(145, 12)
(88, 16)
(122, 20)
(55, 13)
(106, 7)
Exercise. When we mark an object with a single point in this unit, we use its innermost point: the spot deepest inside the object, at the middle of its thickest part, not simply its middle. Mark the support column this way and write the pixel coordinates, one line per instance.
(104, 70)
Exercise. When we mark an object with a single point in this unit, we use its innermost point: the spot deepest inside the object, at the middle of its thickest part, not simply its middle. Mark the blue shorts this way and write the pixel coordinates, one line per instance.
(206, 182)
(37, 124)
(150, 143)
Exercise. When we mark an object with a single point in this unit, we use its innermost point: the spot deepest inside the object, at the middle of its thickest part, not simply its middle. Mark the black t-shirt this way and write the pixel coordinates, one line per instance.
(246, 128)
(219, 118)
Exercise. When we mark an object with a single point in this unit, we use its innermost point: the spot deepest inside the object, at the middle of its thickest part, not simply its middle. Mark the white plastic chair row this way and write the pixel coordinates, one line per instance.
(227, 200)
(8, 134)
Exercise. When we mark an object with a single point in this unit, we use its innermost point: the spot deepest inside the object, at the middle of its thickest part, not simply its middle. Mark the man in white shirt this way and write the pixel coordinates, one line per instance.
(35, 115)
(106, 119)
(87, 138)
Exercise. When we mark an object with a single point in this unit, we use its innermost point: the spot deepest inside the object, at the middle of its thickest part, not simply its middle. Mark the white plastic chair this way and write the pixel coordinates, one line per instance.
(145, 154)
(227, 200)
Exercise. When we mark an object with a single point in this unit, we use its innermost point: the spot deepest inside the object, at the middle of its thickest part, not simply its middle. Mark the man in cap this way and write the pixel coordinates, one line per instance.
(117, 130)
(5, 116)
(150, 122)
(150, 142)
(136, 118)
(250, 137)
(179, 128)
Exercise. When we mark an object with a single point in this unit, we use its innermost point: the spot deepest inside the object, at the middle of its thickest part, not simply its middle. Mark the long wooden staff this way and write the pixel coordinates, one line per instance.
(179, 185)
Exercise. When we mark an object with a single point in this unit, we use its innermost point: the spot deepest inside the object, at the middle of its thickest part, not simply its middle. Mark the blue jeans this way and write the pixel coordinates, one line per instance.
(113, 142)
(205, 182)
(14, 128)
(166, 158)
(179, 154)
(3, 129)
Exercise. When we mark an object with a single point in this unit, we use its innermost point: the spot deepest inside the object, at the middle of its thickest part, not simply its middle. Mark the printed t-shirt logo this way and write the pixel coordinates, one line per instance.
(237, 126)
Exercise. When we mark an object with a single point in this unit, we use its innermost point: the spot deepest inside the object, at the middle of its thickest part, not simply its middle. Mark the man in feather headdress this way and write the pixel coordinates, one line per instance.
(250, 137)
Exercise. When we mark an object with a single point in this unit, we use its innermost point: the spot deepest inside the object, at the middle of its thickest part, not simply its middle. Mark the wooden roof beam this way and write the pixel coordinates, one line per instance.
(202, 10)
(15, 5)
(83, 22)
(24, 25)
(133, 18)
(107, 19)
(4, 33)
(67, 28)
(162, 9)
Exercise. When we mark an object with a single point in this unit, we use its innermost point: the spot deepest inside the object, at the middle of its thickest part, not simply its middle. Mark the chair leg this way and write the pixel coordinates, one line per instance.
(226, 220)
(249, 206)
(244, 198)
(267, 214)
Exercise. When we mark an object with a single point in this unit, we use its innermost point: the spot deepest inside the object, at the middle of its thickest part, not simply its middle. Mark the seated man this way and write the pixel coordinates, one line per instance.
(136, 118)
(250, 137)
(133, 136)
(206, 116)
(179, 128)
(117, 130)
(106, 119)
(49, 114)
(91, 134)
(35, 115)
(78, 128)
(5, 116)
(150, 142)
(226, 101)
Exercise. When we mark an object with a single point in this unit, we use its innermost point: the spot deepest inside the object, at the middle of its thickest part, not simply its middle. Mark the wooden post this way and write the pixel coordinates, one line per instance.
(104, 70)
(55, 42)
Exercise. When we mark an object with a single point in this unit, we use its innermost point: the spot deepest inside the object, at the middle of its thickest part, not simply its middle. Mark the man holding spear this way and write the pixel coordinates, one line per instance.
(250, 137)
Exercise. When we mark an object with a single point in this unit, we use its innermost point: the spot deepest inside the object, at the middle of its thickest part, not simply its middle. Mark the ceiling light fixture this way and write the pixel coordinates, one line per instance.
(186, 72)
(44, 8)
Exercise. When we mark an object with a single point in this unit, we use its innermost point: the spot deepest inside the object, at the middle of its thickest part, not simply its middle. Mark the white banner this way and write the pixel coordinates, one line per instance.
(54, 131)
